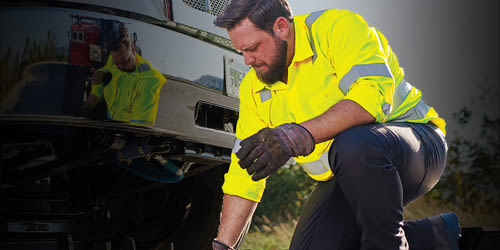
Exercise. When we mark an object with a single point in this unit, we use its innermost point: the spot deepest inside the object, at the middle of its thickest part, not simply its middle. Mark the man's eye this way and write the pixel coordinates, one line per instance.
(251, 49)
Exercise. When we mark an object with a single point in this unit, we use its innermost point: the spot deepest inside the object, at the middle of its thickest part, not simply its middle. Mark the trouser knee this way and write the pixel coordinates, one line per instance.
(356, 151)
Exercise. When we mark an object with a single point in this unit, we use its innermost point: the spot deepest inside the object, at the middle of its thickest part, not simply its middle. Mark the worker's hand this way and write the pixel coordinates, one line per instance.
(101, 77)
(218, 245)
(269, 149)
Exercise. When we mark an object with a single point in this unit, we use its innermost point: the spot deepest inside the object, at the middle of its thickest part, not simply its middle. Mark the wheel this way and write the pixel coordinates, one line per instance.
(184, 215)
(127, 243)
(202, 221)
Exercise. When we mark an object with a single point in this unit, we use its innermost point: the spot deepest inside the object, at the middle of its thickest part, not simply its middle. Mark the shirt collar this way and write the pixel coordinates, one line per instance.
(303, 49)
(302, 52)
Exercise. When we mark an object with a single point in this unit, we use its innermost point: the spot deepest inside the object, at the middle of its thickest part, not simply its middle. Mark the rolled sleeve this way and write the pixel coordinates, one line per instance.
(359, 54)
(238, 182)
(97, 90)
(373, 94)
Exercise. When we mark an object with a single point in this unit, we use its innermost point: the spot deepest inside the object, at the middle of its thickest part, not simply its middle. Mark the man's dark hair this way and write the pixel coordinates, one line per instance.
(262, 13)
(119, 35)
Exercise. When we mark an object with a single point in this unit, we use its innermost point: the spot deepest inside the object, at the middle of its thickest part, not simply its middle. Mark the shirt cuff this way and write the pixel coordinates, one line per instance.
(239, 183)
(370, 98)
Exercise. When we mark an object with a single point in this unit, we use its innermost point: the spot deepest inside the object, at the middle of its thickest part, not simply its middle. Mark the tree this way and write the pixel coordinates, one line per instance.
(472, 176)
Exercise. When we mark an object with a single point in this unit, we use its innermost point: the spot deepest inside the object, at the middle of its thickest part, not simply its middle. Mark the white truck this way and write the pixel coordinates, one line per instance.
(73, 182)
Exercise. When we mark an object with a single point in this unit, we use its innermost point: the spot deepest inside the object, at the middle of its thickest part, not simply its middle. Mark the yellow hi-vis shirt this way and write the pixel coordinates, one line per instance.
(337, 56)
(131, 96)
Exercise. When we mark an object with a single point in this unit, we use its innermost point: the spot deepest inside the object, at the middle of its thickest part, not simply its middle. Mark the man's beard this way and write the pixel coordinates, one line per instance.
(277, 66)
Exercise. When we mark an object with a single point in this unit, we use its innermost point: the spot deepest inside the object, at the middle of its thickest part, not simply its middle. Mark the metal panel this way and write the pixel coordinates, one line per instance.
(49, 55)
(176, 113)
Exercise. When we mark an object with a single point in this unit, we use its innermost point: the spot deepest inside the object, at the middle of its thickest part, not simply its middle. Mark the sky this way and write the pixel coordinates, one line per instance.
(449, 49)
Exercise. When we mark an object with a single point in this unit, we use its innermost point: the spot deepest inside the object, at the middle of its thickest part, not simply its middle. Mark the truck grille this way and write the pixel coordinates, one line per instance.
(214, 7)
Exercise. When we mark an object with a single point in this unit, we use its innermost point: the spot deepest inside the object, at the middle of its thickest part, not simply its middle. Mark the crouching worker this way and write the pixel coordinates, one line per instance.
(128, 83)
(327, 89)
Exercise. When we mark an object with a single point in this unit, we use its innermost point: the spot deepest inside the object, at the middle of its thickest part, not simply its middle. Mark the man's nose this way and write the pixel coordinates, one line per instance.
(249, 59)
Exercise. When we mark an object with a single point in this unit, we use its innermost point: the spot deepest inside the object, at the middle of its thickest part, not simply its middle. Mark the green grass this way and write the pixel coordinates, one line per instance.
(276, 236)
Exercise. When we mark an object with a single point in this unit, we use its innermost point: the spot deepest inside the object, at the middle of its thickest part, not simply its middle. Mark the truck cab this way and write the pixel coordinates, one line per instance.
(70, 180)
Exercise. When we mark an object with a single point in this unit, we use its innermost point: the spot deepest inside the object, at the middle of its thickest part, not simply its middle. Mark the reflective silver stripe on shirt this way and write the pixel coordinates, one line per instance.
(318, 167)
(309, 22)
(387, 108)
(265, 95)
(417, 112)
(363, 70)
(401, 92)
(236, 146)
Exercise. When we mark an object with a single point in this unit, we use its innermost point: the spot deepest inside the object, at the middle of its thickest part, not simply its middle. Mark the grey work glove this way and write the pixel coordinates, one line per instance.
(219, 245)
(264, 152)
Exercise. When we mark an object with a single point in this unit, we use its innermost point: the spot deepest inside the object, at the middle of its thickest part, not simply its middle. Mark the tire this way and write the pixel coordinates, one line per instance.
(202, 222)
(184, 215)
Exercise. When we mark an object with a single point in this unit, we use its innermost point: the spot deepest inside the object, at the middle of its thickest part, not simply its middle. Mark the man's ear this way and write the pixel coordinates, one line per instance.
(281, 27)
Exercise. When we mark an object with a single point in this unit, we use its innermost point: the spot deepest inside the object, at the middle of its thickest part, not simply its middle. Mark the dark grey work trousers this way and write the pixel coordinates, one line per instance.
(379, 168)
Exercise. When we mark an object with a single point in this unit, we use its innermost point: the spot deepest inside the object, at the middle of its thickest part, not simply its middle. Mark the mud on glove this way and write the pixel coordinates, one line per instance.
(264, 152)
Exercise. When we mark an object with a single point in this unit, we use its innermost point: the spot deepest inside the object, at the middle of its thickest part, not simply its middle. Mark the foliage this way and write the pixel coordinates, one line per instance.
(276, 236)
(286, 192)
(13, 62)
(472, 176)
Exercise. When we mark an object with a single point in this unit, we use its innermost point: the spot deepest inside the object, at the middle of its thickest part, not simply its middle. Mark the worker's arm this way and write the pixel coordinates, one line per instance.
(341, 116)
(96, 93)
(92, 101)
(236, 213)
(98, 79)
(266, 151)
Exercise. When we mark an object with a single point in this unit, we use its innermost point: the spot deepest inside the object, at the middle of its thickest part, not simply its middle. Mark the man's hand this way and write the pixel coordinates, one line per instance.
(218, 245)
(264, 152)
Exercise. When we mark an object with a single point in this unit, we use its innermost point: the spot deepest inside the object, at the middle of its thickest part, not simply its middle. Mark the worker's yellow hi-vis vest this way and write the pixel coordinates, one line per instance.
(131, 96)
(337, 56)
